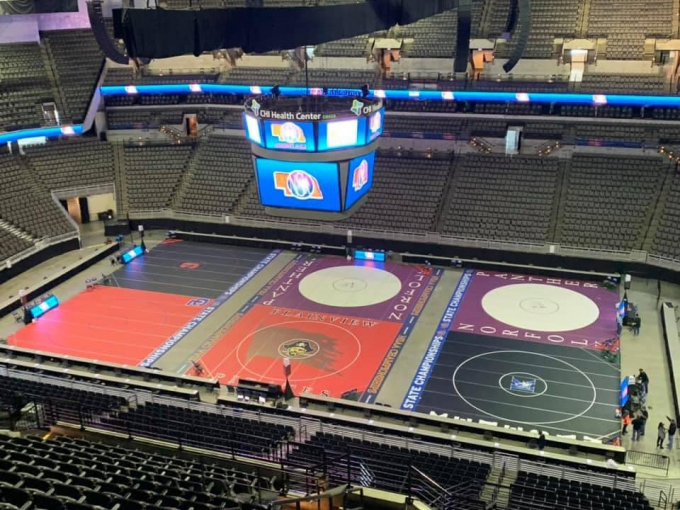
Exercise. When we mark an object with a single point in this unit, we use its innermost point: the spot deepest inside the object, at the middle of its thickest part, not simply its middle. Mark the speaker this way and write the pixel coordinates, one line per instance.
(524, 31)
(463, 36)
(94, 12)
(512, 16)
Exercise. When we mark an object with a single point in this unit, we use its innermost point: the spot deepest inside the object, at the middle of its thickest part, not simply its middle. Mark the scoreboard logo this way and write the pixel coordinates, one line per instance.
(288, 132)
(298, 184)
(360, 176)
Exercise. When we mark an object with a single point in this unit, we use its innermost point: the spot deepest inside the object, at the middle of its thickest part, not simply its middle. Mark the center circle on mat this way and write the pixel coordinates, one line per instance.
(349, 285)
(540, 307)
(345, 337)
(334, 286)
(505, 379)
(581, 388)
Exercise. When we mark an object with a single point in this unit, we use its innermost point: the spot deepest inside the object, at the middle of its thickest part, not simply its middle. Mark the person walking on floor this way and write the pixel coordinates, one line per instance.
(672, 429)
(660, 435)
(637, 427)
(626, 421)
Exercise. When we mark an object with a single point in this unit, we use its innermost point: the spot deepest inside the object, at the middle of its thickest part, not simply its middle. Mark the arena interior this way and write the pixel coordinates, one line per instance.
(296, 254)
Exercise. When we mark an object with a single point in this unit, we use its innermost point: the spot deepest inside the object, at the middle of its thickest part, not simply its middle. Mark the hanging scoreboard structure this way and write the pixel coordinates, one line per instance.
(313, 156)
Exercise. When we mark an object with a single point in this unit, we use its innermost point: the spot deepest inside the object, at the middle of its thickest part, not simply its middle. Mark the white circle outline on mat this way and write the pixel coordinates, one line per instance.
(318, 286)
(545, 384)
(244, 367)
(574, 310)
(592, 403)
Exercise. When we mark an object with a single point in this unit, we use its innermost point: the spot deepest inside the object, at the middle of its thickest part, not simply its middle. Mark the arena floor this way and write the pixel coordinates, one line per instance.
(512, 349)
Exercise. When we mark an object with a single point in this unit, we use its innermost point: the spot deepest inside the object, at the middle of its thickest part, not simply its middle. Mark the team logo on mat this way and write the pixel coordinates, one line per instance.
(299, 349)
(525, 385)
(298, 184)
(189, 265)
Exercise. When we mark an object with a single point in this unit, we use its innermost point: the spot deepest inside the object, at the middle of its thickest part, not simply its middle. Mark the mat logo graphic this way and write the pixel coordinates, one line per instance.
(298, 184)
(288, 132)
(360, 177)
(376, 122)
(525, 385)
(189, 265)
(198, 302)
(299, 349)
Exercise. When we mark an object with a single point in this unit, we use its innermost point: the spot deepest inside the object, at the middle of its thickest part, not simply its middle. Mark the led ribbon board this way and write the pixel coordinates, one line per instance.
(49, 304)
(376, 256)
(132, 254)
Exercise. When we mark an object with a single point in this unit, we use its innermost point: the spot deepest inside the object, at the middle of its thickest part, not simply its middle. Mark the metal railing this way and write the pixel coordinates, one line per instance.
(650, 460)
(340, 466)
(426, 237)
(38, 246)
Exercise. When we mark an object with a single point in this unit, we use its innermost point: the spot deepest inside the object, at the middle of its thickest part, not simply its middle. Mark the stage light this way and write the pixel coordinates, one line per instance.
(131, 89)
(67, 130)
(447, 96)
(195, 87)
(254, 89)
(522, 97)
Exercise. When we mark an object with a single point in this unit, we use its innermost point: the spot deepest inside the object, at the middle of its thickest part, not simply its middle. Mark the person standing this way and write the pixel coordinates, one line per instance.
(672, 429)
(660, 435)
(643, 379)
(637, 427)
(636, 325)
(541, 441)
(645, 416)
(626, 421)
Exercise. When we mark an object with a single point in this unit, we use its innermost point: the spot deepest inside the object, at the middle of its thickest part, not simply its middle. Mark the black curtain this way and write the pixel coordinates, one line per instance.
(159, 33)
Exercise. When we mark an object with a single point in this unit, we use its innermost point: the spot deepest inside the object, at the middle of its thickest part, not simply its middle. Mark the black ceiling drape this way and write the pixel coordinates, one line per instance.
(159, 33)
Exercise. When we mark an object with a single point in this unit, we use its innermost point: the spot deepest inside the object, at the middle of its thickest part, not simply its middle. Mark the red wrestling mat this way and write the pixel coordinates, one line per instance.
(110, 324)
(329, 354)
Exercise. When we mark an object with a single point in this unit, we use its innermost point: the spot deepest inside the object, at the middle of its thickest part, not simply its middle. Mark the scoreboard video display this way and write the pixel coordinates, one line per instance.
(291, 136)
(313, 159)
(340, 133)
(296, 185)
(359, 178)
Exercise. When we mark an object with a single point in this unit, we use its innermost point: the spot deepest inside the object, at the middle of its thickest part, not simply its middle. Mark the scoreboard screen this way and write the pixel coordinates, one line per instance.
(375, 125)
(299, 185)
(291, 136)
(253, 129)
(359, 178)
(342, 134)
